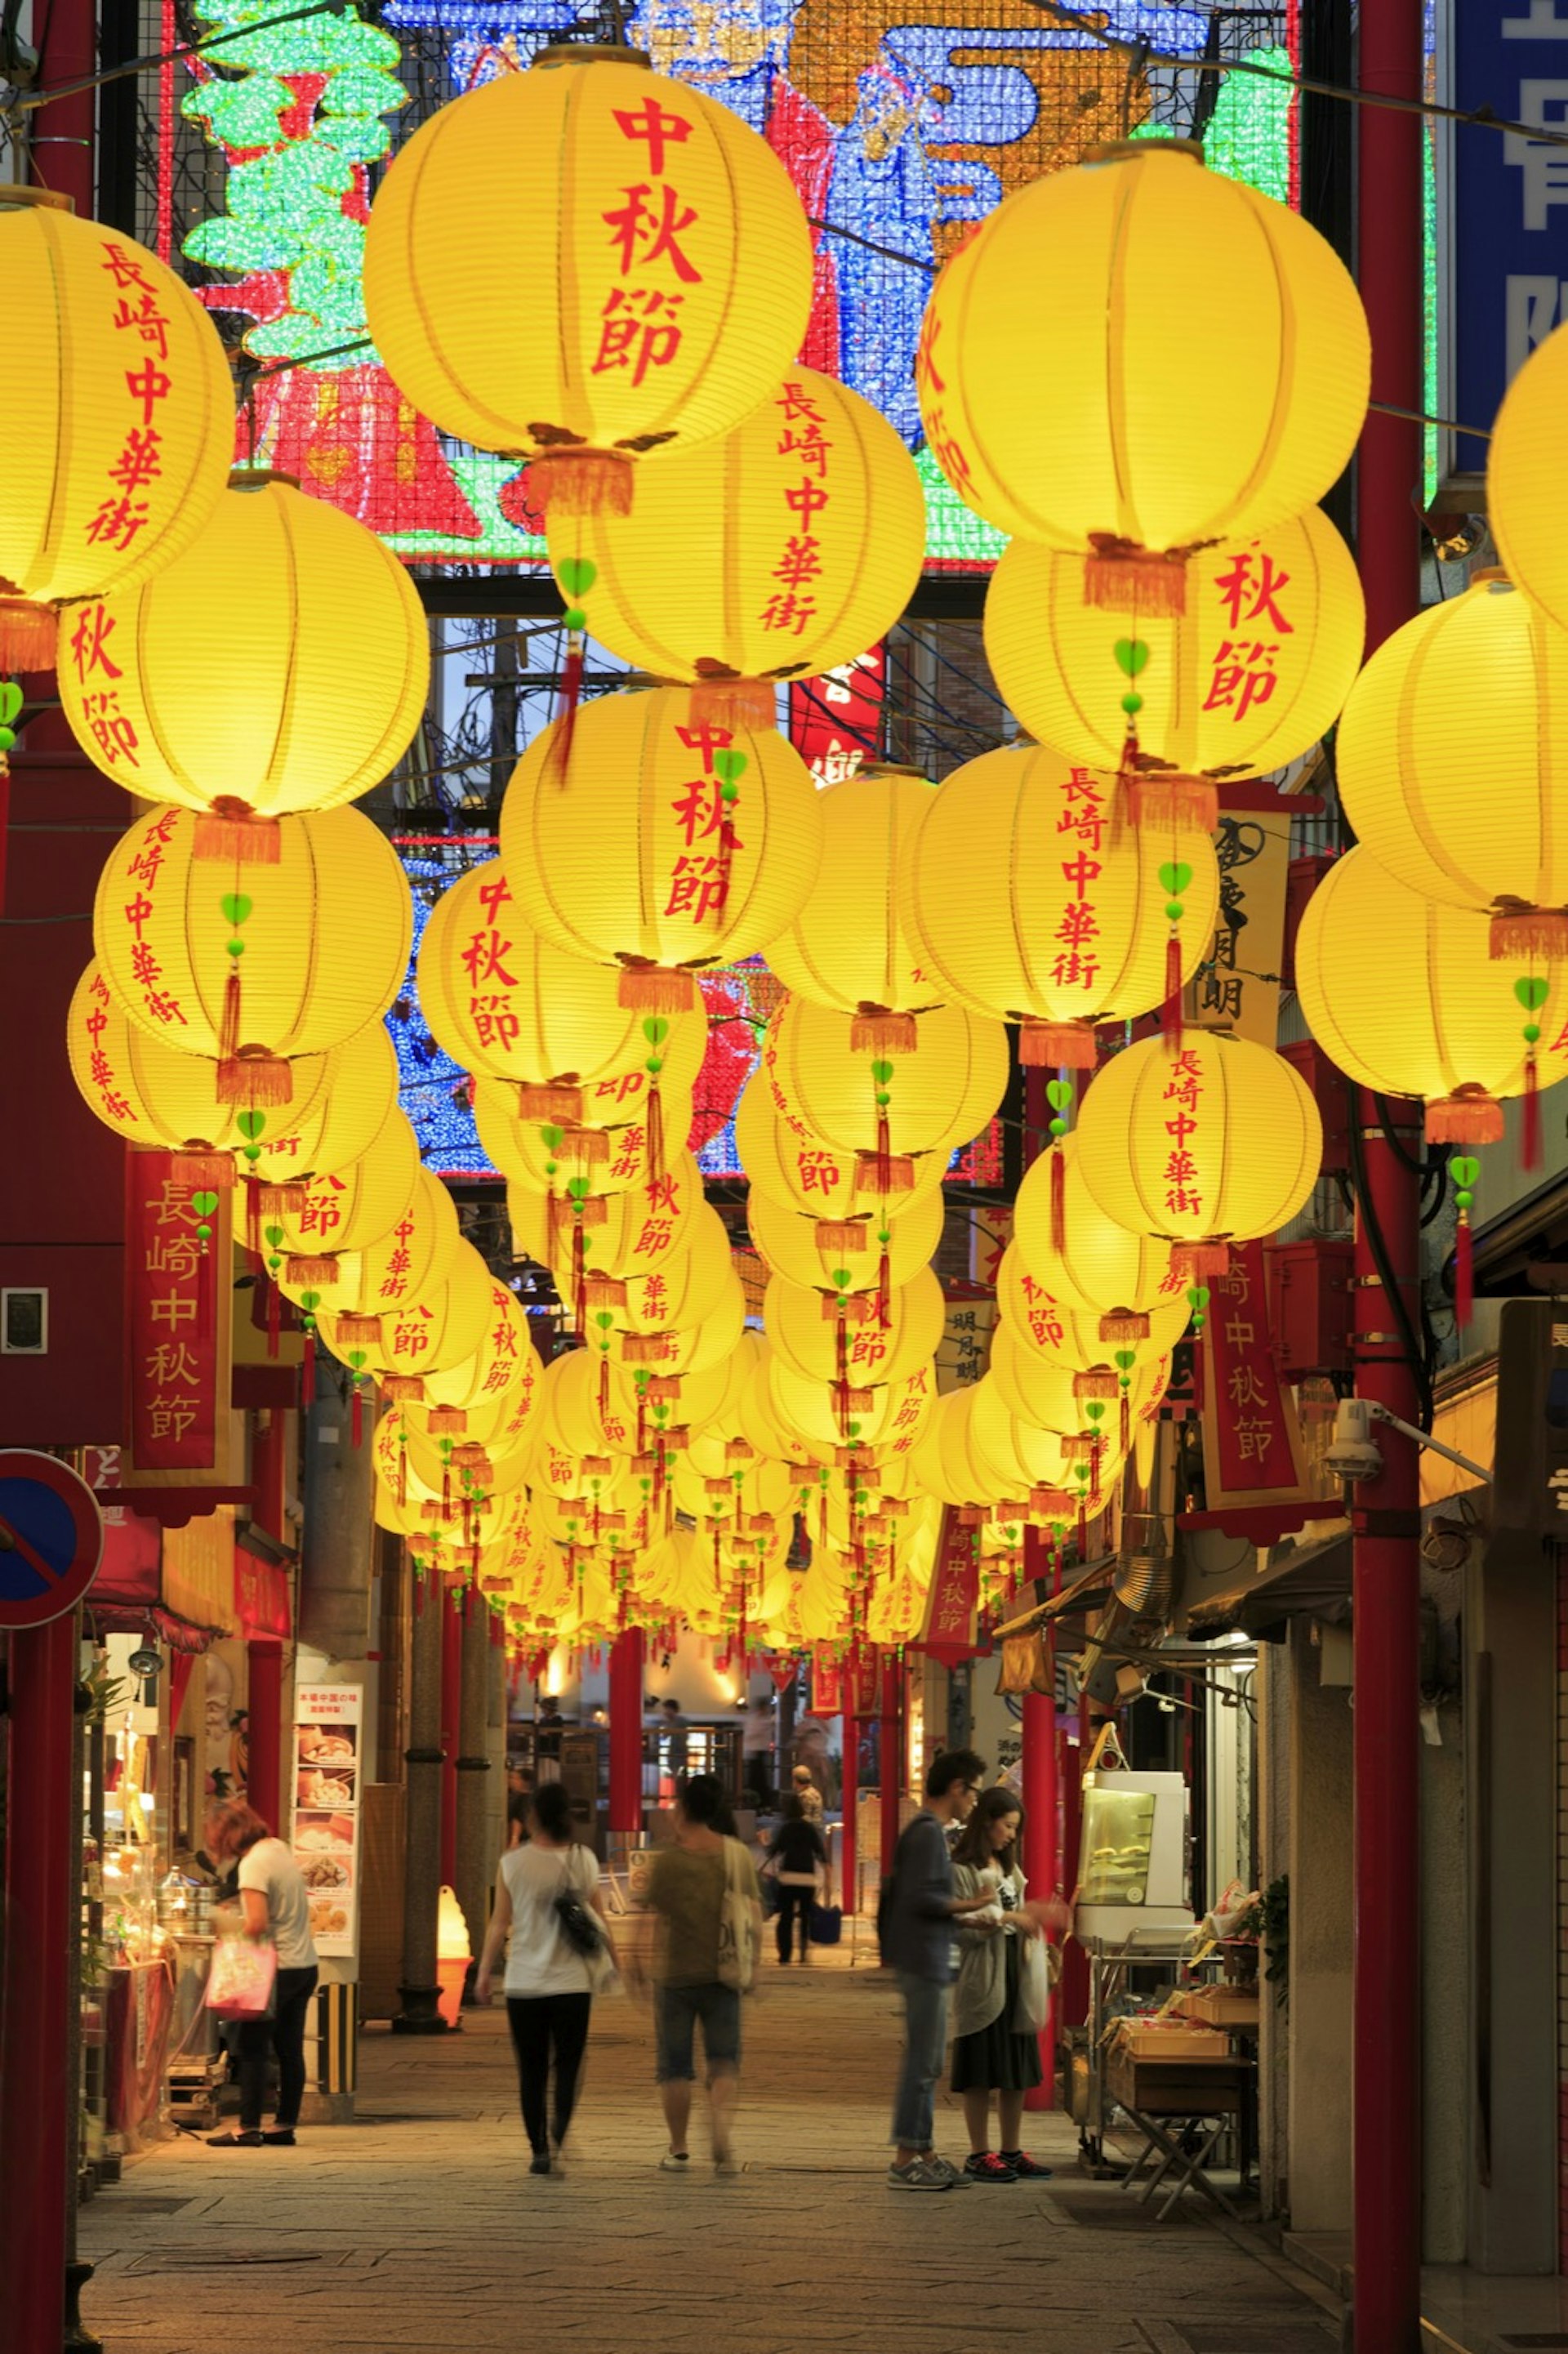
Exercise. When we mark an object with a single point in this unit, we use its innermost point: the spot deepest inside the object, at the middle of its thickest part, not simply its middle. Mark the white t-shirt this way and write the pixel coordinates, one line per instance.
(539, 1960)
(269, 1868)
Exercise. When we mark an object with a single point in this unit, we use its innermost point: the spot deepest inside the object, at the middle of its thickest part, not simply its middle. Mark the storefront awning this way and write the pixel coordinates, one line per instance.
(1524, 1250)
(1308, 1581)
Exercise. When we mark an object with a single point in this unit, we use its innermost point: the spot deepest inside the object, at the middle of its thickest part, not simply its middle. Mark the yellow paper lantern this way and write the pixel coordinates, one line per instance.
(790, 1243)
(812, 1422)
(347, 1209)
(1196, 404)
(816, 1335)
(1031, 904)
(118, 430)
(931, 1100)
(406, 1261)
(850, 946)
(509, 1005)
(1062, 1333)
(1099, 1399)
(280, 663)
(420, 1336)
(1216, 1142)
(503, 1366)
(1020, 1455)
(637, 1234)
(784, 549)
(663, 288)
(323, 936)
(151, 1094)
(945, 1463)
(1524, 502)
(661, 843)
(1441, 1021)
(784, 1159)
(500, 1425)
(1097, 1265)
(594, 1157)
(1246, 679)
(1487, 668)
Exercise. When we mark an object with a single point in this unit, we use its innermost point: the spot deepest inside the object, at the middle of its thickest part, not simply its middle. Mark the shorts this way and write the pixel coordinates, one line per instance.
(676, 2013)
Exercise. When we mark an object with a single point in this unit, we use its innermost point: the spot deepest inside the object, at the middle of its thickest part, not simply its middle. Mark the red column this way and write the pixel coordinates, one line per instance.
(1038, 1777)
(626, 1661)
(890, 1750)
(1387, 2128)
(849, 1780)
(264, 1662)
(451, 1717)
(1072, 1990)
(37, 2106)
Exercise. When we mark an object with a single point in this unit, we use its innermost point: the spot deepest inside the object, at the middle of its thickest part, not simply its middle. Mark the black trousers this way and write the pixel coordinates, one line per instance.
(283, 2033)
(542, 2023)
(794, 1904)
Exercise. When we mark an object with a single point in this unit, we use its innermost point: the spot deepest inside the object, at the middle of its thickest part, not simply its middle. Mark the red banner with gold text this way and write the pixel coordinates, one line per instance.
(1251, 1438)
(179, 1324)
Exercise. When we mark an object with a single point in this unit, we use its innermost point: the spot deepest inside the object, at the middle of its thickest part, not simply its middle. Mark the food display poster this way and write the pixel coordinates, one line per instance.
(327, 1764)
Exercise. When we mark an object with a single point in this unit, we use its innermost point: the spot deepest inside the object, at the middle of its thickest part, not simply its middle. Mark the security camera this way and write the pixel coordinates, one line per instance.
(1353, 1452)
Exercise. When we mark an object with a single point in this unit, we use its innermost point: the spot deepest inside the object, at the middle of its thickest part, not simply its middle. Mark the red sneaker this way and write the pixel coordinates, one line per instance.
(1022, 2164)
(984, 2166)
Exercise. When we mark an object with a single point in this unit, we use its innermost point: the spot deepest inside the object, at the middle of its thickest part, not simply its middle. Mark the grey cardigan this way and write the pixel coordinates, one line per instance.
(982, 1988)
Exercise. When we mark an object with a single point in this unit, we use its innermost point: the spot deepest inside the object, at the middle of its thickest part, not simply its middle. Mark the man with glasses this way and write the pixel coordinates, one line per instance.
(918, 1914)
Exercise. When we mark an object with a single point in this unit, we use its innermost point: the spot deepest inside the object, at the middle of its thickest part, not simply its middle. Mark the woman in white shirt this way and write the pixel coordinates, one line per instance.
(548, 1984)
(276, 1904)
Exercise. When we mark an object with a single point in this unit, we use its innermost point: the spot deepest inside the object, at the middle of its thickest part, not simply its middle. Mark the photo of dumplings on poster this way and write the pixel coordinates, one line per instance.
(326, 1809)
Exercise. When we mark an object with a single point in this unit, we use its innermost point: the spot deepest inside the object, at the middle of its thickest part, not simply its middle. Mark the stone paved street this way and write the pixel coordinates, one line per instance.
(418, 2228)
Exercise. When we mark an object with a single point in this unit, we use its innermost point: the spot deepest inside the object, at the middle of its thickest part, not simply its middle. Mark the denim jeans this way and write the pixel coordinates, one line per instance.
(924, 2048)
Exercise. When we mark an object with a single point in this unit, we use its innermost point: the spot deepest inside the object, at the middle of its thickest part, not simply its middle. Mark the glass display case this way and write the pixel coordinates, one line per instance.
(1117, 1845)
(1133, 1879)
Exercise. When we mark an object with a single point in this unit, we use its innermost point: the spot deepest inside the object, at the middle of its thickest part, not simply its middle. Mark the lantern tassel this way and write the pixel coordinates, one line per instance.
(204, 1171)
(556, 1104)
(230, 833)
(580, 1287)
(1525, 935)
(251, 1076)
(603, 1399)
(1058, 1046)
(1124, 1324)
(841, 1234)
(655, 1134)
(1198, 1262)
(228, 1020)
(274, 1316)
(1120, 576)
(875, 1031)
(1164, 803)
(1126, 1422)
(402, 1471)
(1469, 1116)
(579, 481)
(648, 988)
(356, 1413)
(567, 710)
(1530, 1127)
(884, 1288)
(308, 1370)
(734, 702)
(1058, 1200)
(27, 633)
(1463, 1272)
(1082, 1531)
(1171, 1009)
(311, 1272)
(883, 1154)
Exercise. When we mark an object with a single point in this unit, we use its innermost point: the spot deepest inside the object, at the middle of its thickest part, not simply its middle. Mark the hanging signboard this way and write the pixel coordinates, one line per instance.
(1251, 1438)
(947, 1631)
(179, 1327)
(1238, 988)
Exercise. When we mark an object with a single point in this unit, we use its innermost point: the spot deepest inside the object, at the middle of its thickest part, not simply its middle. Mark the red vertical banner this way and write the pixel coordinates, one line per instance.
(867, 1682)
(835, 721)
(179, 1285)
(952, 1598)
(1252, 1438)
(827, 1688)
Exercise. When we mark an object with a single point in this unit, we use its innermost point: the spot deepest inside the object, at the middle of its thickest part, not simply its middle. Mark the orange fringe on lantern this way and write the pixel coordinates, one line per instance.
(357, 1331)
(875, 1031)
(1051, 1503)
(893, 1172)
(1120, 576)
(664, 1389)
(1125, 1324)
(644, 1349)
(28, 635)
(647, 988)
(588, 1145)
(843, 1235)
(1058, 1046)
(581, 481)
(718, 1491)
(230, 831)
(1523, 934)
(203, 1169)
(739, 1451)
(1098, 1382)
(856, 1308)
(252, 1077)
(558, 1104)
(592, 1211)
(314, 1271)
(604, 1291)
(1198, 1262)
(974, 1516)
(280, 1201)
(734, 702)
(1469, 1116)
(1170, 803)
(445, 1421)
(1078, 1449)
(405, 1389)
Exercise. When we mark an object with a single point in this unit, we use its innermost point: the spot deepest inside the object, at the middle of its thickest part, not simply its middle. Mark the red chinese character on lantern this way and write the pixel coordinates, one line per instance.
(1244, 674)
(644, 232)
(148, 385)
(117, 522)
(148, 321)
(817, 1173)
(640, 331)
(90, 643)
(111, 729)
(651, 123)
(1249, 591)
(700, 809)
(1085, 813)
(789, 612)
(125, 269)
(483, 960)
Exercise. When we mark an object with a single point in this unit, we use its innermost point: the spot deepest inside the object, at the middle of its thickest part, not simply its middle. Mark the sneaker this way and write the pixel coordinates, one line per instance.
(540, 2163)
(1023, 2165)
(918, 2175)
(676, 2161)
(984, 2166)
(944, 2167)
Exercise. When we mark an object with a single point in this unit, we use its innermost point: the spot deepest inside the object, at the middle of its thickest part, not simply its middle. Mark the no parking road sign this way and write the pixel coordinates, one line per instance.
(51, 1538)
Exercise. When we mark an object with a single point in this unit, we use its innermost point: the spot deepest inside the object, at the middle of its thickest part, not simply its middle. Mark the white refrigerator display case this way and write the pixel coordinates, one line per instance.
(1133, 1877)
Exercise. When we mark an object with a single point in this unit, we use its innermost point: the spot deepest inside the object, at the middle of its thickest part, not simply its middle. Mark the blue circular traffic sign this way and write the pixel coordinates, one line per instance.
(51, 1538)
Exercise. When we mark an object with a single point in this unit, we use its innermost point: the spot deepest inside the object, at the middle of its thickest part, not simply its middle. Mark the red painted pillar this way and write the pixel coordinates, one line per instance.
(849, 1780)
(1073, 1994)
(1038, 1778)
(626, 1662)
(264, 1662)
(1386, 1599)
(890, 1747)
(451, 1717)
(38, 2105)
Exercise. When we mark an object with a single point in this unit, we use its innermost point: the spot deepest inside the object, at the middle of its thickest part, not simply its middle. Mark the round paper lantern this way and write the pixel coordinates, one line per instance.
(1020, 1455)
(640, 1233)
(546, 1158)
(681, 1289)
(1100, 1398)
(1524, 503)
(508, 1004)
(504, 1365)
(1033, 904)
(1195, 403)
(945, 1462)
(1217, 1142)
(1433, 1016)
(287, 960)
(280, 662)
(346, 1209)
(420, 1336)
(1246, 679)
(790, 1243)
(406, 1261)
(1062, 1333)
(1484, 668)
(805, 1327)
(931, 1100)
(150, 1093)
(118, 431)
(850, 946)
(781, 551)
(661, 841)
(1095, 1265)
(662, 290)
(785, 1160)
(811, 1417)
(500, 1425)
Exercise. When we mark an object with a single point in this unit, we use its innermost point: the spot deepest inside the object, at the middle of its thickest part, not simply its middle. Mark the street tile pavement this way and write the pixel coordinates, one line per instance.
(418, 2229)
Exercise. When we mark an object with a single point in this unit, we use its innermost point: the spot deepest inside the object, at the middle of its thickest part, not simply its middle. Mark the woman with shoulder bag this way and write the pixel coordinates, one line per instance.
(547, 1897)
(275, 1907)
(800, 1854)
(993, 2052)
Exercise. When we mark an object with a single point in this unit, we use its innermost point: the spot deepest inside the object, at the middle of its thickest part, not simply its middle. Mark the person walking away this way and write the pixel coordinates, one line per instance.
(549, 1983)
(276, 1903)
(687, 1888)
(810, 1797)
(800, 1852)
(916, 1916)
(519, 1797)
(990, 2053)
